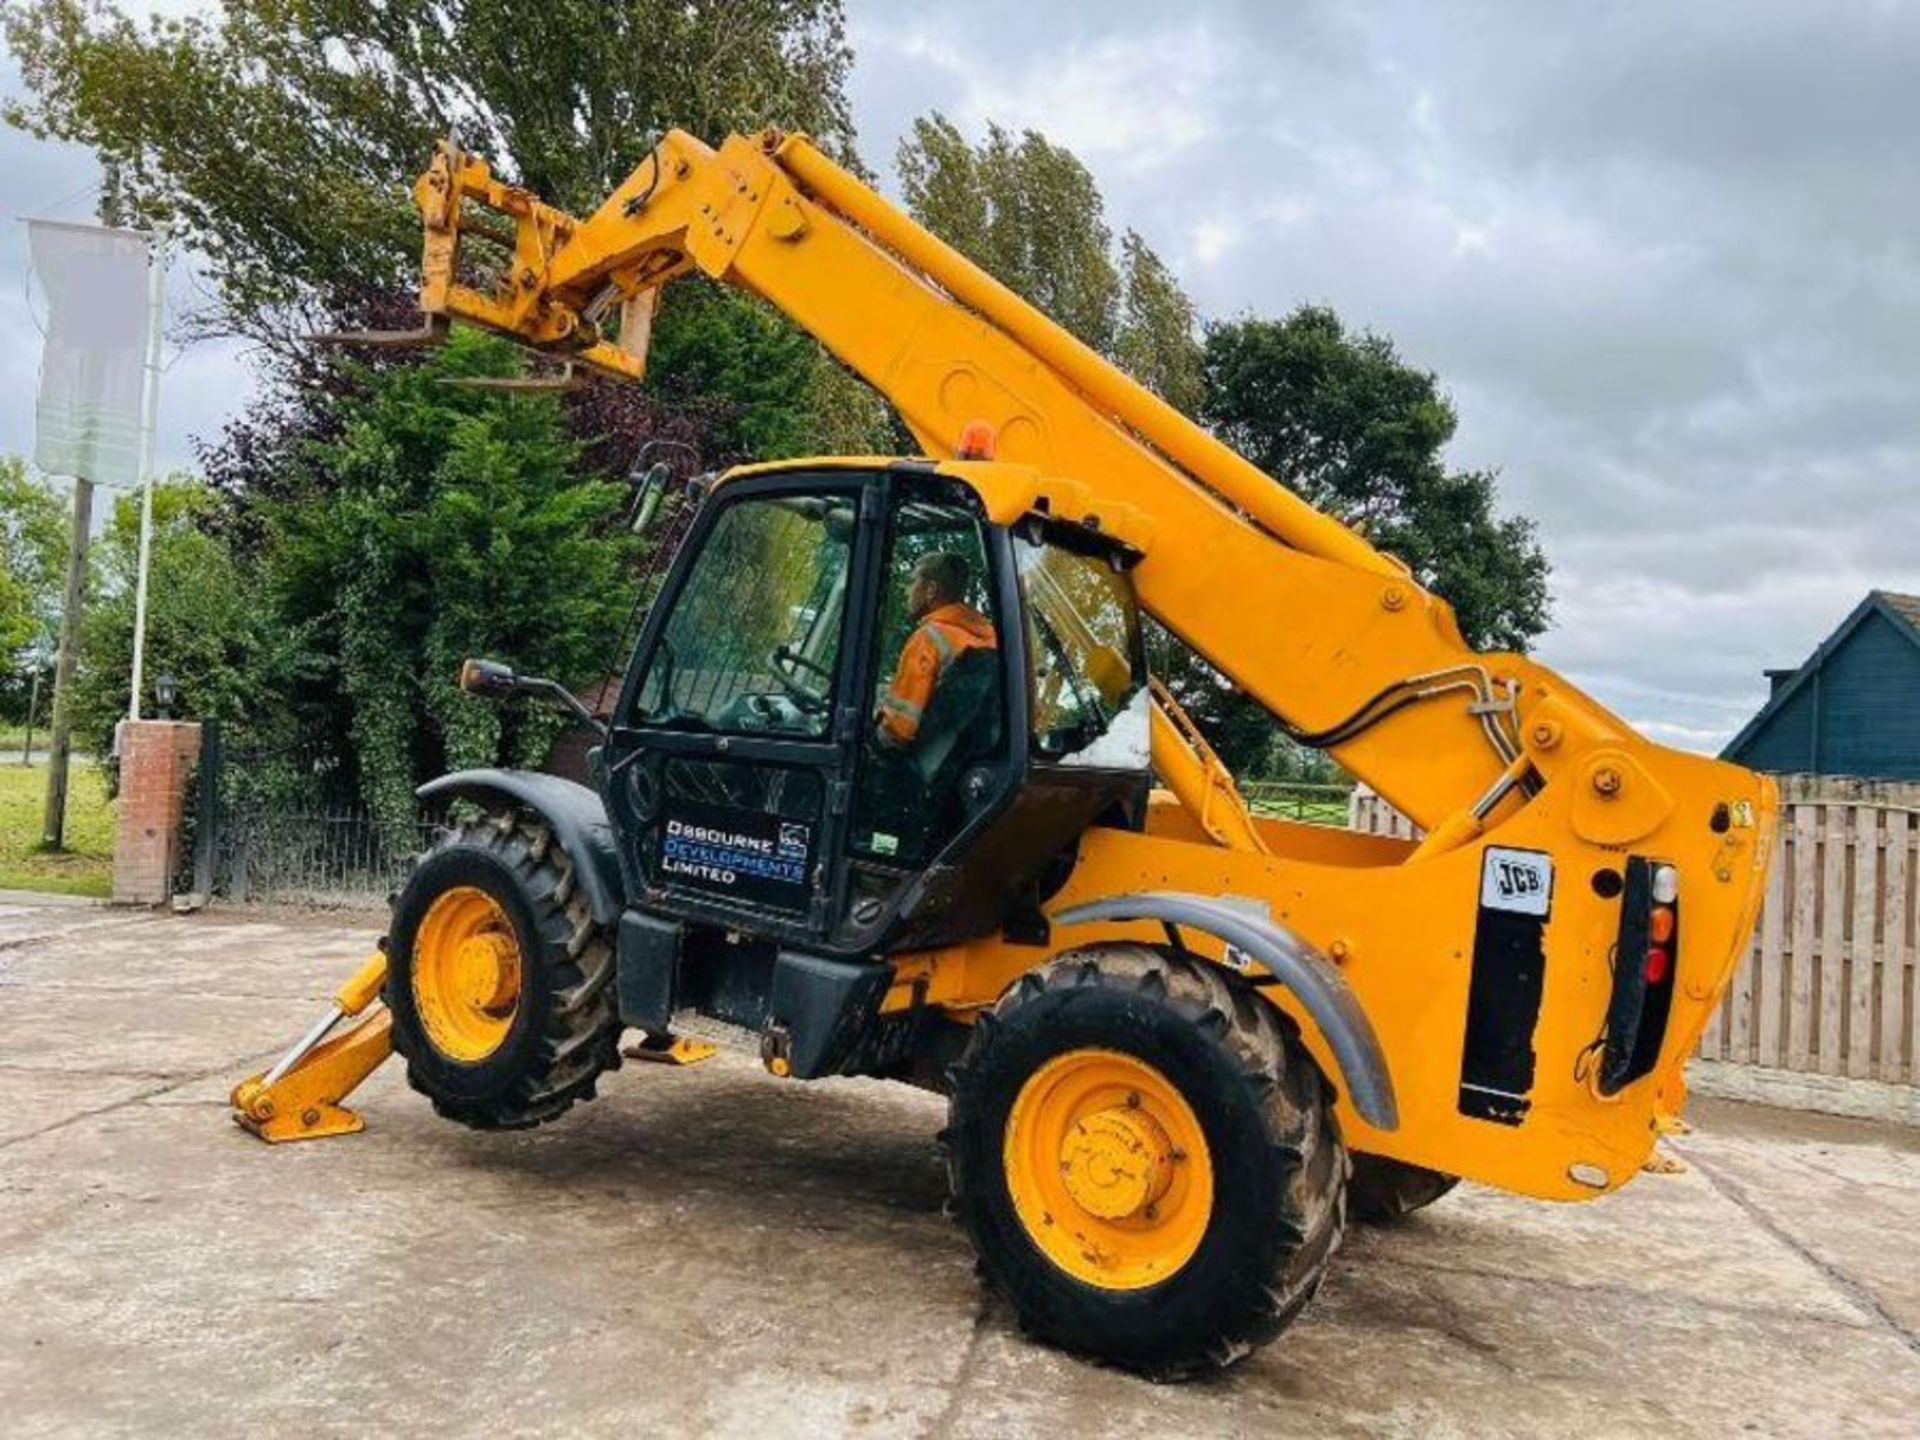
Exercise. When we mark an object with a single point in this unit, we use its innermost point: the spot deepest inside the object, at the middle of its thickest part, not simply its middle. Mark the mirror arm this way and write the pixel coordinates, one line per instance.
(554, 690)
(491, 679)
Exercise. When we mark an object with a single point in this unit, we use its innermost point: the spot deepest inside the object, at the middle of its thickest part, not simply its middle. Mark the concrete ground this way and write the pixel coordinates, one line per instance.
(714, 1252)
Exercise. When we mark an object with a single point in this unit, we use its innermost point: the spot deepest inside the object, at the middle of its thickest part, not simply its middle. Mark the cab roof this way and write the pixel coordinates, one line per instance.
(1007, 490)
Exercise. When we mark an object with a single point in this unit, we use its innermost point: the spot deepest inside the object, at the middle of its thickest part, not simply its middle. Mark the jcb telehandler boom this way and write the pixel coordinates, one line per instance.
(878, 793)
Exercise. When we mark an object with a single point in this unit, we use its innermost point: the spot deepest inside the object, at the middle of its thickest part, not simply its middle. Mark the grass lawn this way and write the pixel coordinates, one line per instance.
(87, 866)
(1285, 800)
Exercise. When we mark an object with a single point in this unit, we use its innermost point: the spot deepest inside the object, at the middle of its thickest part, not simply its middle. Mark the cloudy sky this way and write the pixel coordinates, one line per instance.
(1666, 258)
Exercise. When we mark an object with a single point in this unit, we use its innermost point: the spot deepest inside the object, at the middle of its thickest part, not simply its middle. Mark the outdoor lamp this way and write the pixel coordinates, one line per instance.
(165, 690)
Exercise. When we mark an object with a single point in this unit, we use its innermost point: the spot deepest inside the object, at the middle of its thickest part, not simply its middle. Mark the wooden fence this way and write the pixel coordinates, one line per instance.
(1366, 811)
(1831, 984)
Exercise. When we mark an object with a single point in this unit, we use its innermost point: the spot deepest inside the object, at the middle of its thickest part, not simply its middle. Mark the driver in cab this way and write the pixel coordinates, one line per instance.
(945, 628)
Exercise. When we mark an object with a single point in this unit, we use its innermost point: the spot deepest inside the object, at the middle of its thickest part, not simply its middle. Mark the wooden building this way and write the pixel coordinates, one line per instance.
(1853, 708)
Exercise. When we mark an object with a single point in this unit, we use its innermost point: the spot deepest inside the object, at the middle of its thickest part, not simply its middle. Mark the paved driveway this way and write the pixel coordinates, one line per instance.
(715, 1252)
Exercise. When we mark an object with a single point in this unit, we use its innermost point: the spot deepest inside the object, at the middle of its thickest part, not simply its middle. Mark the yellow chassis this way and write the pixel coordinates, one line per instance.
(1351, 896)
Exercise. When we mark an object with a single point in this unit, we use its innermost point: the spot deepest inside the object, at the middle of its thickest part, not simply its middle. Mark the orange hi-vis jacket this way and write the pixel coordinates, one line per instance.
(944, 633)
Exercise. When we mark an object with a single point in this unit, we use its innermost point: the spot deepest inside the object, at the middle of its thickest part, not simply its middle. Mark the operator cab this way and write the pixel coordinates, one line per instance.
(862, 717)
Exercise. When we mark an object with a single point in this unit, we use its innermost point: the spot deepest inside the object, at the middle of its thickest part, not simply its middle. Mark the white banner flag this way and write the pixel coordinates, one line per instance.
(96, 283)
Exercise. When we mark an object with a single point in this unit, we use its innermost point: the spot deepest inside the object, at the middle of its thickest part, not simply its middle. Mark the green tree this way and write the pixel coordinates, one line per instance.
(1358, 432)
(1158, 337)
(33, 554)
(456, 524)
(1028, 211)
(774, 393)
(33, 567)
(205, 623)
(284, 132)
(1024, 209)
(16, 609)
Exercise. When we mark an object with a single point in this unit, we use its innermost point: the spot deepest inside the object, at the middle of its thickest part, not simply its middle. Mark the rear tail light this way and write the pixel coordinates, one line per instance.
(1646, 956)
(1662, 921)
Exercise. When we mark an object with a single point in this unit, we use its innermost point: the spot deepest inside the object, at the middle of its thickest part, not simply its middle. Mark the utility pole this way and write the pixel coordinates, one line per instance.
(53, 831)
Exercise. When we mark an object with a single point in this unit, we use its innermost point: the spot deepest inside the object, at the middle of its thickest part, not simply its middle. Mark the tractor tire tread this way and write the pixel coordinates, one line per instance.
(579, 1035)
(1282, 1083)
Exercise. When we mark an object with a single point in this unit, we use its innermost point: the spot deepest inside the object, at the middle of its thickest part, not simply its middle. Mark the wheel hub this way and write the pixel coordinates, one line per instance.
(488, 971)
(1117, 1162)
(1108, 1169)
(466, 974)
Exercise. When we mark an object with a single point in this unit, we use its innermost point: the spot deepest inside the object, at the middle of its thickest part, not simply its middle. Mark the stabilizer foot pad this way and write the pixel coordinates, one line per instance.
(304, 1103)
(1661, 1163)
(671, 1050)
(316, 1122)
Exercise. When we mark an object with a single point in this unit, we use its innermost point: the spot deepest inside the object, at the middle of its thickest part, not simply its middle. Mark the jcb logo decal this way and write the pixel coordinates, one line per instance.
(1517, 880)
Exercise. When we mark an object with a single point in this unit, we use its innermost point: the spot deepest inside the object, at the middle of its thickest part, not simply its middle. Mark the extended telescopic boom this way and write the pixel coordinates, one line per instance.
(1335, 639)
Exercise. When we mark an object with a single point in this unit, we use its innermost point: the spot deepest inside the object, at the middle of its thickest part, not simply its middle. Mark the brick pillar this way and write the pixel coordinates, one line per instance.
(156, 760)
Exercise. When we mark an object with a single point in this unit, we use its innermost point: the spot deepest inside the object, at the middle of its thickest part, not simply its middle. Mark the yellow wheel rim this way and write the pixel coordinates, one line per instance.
(466, 973)
(1108, 1169)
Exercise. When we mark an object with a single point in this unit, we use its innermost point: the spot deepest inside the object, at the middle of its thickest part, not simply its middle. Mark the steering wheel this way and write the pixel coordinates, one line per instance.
(810, 700)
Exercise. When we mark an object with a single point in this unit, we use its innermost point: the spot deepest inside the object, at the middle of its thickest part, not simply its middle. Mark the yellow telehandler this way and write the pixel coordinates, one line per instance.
(888, 790)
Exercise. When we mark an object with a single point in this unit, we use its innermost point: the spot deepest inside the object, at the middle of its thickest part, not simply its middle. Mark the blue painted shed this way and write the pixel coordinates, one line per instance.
(1853, 708)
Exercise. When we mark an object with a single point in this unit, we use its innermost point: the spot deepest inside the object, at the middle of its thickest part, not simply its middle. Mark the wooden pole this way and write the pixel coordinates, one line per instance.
(53, 830)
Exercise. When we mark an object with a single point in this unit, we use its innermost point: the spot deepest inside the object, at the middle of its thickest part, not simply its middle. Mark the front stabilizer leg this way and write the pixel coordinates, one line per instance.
(300, 1097)
(665, 1048)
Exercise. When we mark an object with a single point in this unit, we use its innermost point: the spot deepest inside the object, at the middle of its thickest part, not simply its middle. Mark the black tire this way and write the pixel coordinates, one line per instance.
(1383, 1191)
(1279, 1167)
(565, 1030)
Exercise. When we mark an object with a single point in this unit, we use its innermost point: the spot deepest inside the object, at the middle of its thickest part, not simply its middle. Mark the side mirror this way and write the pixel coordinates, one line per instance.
(495, 681)
(649, 487)
(487, 677)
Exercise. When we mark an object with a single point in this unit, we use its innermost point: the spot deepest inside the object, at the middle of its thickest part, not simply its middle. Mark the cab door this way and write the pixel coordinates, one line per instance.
(727, 762)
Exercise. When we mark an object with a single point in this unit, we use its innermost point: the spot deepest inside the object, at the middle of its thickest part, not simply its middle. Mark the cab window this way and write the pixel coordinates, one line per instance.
(1083, 641)
(753, 642)
(938, 694)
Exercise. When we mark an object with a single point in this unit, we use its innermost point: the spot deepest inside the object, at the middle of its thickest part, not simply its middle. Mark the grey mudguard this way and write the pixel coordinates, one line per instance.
(1311, 977)
(575, 813)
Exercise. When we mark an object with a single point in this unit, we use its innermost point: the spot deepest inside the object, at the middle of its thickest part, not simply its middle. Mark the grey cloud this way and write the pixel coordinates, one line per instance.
(1665, 257)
